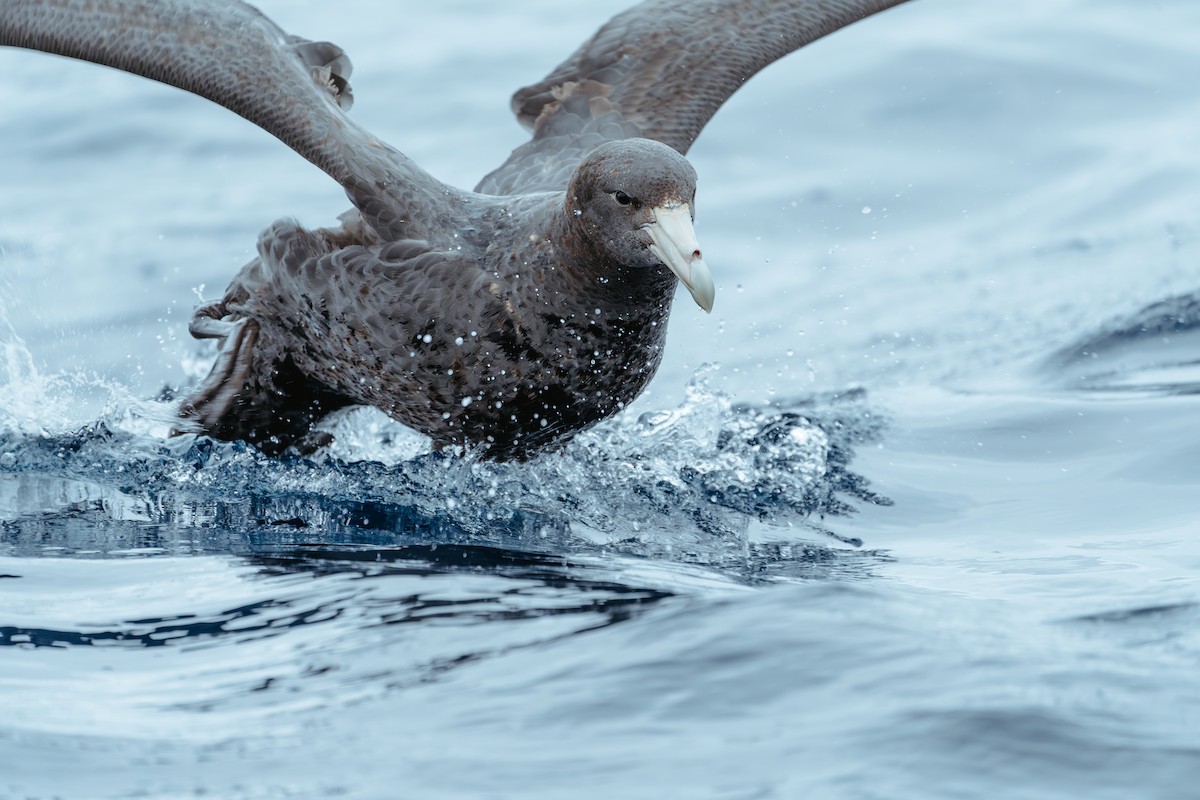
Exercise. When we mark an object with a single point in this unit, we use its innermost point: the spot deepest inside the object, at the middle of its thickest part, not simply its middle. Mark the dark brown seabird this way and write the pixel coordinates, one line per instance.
(503, 320)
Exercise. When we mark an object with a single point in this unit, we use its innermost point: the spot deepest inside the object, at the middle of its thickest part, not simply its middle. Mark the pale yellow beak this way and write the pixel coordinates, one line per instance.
(673, 241)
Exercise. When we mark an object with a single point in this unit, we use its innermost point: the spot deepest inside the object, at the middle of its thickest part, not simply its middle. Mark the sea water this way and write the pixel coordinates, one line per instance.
(912, 514)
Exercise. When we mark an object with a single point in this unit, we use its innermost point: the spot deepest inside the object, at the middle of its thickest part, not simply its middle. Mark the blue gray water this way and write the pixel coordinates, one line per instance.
(913, 514)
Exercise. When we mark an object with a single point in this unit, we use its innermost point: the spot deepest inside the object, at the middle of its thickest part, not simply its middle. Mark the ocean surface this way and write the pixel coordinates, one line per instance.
(915, 513)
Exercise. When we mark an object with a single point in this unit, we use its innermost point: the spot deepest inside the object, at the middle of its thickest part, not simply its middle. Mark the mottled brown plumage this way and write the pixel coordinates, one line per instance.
(503, 320)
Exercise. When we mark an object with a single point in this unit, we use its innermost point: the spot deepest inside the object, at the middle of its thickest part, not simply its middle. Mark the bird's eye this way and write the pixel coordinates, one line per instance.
(622, 198)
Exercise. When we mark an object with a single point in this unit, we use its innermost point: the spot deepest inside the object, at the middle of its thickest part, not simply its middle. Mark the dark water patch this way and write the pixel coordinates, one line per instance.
(184, 628)
(537, 577)
(64, 516)
(1172, 629)
(1140, 614)
(321, 559)
(1036, 752)
(521, 586)
(1155, 350)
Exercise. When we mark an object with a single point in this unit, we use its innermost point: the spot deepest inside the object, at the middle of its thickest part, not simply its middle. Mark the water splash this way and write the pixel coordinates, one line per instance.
(17, 373)
(709, 482)
(36, 404)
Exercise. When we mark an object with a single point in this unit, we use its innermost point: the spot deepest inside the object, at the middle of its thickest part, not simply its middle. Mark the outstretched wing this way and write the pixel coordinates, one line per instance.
(659, 70)
(230, 53)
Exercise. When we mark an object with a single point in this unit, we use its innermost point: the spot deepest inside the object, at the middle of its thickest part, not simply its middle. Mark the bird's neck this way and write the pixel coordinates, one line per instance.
(639, 295)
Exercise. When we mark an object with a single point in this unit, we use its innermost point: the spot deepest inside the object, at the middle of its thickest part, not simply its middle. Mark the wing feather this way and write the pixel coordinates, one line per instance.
(659, 70)
(230, 53)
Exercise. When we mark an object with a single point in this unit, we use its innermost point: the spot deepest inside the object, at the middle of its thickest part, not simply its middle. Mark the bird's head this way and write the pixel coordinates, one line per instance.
(635, 199)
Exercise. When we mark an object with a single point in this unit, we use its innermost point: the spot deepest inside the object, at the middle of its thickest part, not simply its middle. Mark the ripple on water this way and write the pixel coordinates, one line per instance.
(1154, 351)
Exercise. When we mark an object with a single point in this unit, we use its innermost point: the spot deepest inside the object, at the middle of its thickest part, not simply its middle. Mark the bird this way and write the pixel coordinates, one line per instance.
(500, 321)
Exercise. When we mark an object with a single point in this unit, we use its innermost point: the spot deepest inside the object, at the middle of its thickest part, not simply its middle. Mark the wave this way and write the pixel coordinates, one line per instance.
(1154, 350)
